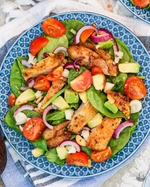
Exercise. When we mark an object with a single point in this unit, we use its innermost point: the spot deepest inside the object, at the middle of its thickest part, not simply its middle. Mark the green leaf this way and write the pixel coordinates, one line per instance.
(16, 78)
(52, 44)
(40, 143)
(10, 121)
(117, 144)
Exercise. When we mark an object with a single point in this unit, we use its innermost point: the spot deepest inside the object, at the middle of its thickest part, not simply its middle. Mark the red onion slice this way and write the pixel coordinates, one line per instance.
(100, 37)
(79, 32)
(69, 65)
(23, 107)
(61, 48)
(121, 127)
(46, 110)
(30, 82)
(71, 142)
(76, 66)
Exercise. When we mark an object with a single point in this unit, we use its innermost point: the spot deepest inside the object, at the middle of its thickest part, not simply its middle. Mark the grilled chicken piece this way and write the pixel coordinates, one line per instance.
(121, 101)
(44, 66)
(56, 87)
(101, 135)
(81, 117)
(57, 140)
(93, 57)
(56, 131)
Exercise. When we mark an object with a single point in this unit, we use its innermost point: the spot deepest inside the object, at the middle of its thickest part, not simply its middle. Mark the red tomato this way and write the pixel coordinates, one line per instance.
(101, 156)
(33, 128)
(55, 74)
(37, 44)
(134, 88)
(77, 159)
(11, 100)
(96, 70)
(42, 83)
(82, 82)
(141, 3)
(53, 27)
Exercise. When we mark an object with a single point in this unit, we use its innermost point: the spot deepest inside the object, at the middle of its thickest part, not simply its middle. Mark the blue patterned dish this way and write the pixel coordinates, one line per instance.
(23, 147)
(143, 14)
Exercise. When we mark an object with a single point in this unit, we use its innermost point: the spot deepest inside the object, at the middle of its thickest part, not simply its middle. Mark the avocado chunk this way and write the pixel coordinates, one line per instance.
(60, 103)
(83, 97)
(62, 152)
(95, 121)
(37, 152)
(26, 96)
(112, 107)
(99, 81)
(132, 67)
(71, 96)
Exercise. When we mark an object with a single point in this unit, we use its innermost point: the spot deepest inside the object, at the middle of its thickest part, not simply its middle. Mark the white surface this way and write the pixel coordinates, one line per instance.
(126, 177)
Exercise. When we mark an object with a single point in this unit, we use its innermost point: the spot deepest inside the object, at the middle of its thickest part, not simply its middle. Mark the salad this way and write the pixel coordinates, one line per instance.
(141, 3)
(76, 96)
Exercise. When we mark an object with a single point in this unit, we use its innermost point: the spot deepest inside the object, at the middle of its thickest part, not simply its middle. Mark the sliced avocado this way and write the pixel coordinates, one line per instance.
(95, 121)
(71, 96)
(26, 96)
(37, 152)
(99, 81)
(62, 152)
(83, 97)
(111, 107)
(129, 67)
(60, 103)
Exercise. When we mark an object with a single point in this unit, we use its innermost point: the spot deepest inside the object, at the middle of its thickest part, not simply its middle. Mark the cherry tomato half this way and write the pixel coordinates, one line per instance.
(11, 100)
(77, 159)
(96, 70)
(33, 128)
(42, 83)
(134, 88)
(141, 3)
(53, 27)
(55, 74)
(37, 44)
(101, 156)
(82, 82)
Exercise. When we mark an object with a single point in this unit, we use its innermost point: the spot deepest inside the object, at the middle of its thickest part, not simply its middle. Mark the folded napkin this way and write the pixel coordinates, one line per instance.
(24, 174)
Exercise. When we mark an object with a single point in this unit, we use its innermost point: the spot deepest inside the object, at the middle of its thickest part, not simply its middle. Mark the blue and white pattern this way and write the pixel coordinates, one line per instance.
(23, 147)
(143, 14)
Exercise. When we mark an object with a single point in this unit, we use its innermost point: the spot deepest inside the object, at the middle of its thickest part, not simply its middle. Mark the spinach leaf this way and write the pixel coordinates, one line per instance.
(127, 56)
(16, 78)
(135, 117)
(72, 25)
(74, 73)
(52, 44)
(10, 121)
(31, 114)
(55, 115)
(56, 122)
(117, 144)
(97, 101)
(119, 82)
(40, 143)
(87, 150)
